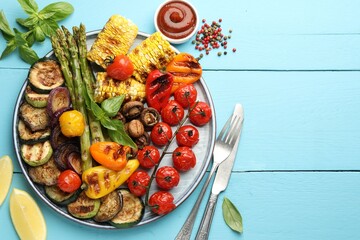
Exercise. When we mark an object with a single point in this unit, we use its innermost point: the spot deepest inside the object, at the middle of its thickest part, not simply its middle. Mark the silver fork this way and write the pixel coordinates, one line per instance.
(222, 149)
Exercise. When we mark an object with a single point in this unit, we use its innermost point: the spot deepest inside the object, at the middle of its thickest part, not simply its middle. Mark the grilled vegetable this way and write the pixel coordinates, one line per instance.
(185, 69)
(62, 154)
(59, 98)
(101, 180)
(45, 75)
(131, 213)
(111, 204)
(35, 99)
(57, 138)
(35, 118)
(84, 207)
(72, 123)
(46, 174)
(106, 87)
(152, 53)
(115, 38)
(60, 197)
(29, 137)
(36, 154)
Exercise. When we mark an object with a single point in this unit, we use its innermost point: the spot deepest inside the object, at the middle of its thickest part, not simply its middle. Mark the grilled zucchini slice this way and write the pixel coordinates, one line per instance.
(84, 207)
(29, 137)
(46, 174)
(35, 118)
(55, 194)
(45, 75)
(35, 99)
(111, 205)
(132, 211)
(36, 154)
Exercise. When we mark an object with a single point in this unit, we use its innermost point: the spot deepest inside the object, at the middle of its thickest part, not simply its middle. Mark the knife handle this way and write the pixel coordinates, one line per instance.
(204, 228)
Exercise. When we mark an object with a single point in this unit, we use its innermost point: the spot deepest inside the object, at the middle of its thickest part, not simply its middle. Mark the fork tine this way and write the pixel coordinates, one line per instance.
(235, 131)
(234, 121)
(224, 129)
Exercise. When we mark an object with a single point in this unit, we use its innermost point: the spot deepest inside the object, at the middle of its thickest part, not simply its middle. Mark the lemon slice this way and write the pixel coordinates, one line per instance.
(26, 216)
(6, 173)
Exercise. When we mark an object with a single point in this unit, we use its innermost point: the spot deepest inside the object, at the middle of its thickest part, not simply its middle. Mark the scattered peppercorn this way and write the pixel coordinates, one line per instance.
(210, 37)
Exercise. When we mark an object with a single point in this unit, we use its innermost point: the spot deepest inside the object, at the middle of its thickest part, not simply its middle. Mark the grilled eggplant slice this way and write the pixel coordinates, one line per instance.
(29, 137)
(84, 207)
(132, 211)
(35, 99)
(59, 98)
(46, 174)
(35, 118)
(60, 197)
(111, 205)
(45, 75)
(36, 154)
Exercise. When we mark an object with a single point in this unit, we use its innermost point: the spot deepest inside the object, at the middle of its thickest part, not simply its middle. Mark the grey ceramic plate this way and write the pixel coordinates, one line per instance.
(189, 180)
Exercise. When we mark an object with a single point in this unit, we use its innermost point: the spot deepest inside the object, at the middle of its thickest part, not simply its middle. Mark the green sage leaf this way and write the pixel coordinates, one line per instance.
(29, 6)
(5, 27)
(232, 216)
(56, 11)
(120, 136)
(112, 105)
(27, 54)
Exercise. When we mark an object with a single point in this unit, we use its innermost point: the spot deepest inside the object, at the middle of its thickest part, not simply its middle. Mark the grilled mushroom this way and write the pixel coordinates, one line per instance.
(132, 109)
(149, 117)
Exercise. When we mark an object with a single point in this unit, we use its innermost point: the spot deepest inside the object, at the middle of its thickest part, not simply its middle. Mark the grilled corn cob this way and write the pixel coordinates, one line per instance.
(106, 87)
(152, 53)
(115, 38)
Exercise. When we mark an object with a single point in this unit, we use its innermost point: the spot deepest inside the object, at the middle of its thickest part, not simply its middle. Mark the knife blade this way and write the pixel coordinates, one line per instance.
(220, 183)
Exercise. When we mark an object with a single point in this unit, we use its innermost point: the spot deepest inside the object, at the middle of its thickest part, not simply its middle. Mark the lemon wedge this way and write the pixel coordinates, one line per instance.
(26, 216)
(6, 173)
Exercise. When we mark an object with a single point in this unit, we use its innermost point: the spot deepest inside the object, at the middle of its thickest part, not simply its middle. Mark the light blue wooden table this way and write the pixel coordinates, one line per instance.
(296, 71)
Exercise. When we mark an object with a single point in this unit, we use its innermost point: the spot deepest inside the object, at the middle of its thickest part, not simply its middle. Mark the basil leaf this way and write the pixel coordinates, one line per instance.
(19, 38)
(56, 11)
(120, 136)
(30, 38)
(5, 27)
(10, 47)
(27, 54)
(28, 22)
(29, 6)
(232, 216)
(39, 34)
(49, 27)
(112, 105)
(107, 123)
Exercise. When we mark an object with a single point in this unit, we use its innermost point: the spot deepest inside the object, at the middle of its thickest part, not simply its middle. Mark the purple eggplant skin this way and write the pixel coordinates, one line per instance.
(62, 152)
(59, 98)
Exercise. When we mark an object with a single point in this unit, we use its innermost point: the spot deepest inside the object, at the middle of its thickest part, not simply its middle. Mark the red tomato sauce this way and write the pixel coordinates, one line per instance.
(176, 19)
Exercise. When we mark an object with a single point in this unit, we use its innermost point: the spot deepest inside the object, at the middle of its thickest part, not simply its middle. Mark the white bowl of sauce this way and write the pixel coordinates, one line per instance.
(176, 20)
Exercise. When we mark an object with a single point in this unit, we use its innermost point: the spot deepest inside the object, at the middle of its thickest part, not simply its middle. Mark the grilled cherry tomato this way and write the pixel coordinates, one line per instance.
(138, 182)
(110, 154)
(69, 181)
(183, 159)
(161, 202)
(121, 68)
(148, 156)
(186, 95)
(187, 135)
(200, 113)
(161, 134)
(158, 88)
(167, 177)
(172, 113)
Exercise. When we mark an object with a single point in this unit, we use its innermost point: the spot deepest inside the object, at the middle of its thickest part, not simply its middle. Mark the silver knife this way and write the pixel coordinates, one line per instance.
(220, 183)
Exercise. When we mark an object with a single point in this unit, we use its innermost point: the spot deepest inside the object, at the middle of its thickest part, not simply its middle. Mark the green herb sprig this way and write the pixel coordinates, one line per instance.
(232, 216)
(39, 25)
